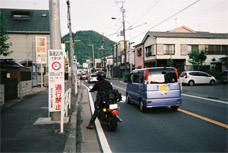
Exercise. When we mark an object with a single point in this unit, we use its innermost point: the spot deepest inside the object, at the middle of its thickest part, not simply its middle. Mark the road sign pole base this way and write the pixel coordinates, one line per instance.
(55, 116)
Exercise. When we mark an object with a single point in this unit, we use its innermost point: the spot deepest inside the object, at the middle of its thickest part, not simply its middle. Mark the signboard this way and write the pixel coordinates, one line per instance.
(41, 50)
(55, 79)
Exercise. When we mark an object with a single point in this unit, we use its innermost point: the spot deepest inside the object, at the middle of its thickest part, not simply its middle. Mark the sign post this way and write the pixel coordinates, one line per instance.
(56, 81)
(75, 74)
(41, 54)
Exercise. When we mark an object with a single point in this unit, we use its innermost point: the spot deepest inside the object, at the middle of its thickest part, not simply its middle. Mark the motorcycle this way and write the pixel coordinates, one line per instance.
(106, 103)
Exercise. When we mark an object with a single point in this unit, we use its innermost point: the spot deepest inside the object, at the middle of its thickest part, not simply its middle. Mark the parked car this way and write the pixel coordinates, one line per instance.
(92, 78)
(154, 87)
(197, 77)
(225, 76)
(84, 75)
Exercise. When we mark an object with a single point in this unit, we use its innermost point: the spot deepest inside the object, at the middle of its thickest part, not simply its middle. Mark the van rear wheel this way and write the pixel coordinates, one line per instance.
(174, 108)
(141, 106)
(127, 99)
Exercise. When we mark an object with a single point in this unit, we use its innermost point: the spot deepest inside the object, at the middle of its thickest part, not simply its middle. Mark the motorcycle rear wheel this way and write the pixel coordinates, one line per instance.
(112, 123)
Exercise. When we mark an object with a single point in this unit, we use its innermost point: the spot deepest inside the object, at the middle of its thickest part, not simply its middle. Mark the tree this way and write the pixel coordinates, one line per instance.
(197, 58)
(170, 62)
(4, 45)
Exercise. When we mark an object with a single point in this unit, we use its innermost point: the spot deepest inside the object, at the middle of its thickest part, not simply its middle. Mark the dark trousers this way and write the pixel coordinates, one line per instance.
(95, 114)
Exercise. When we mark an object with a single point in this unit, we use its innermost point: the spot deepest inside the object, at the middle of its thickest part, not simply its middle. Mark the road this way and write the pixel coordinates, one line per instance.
(200, 125)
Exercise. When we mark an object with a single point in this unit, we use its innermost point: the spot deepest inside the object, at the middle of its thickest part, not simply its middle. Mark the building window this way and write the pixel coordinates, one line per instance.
(169, 49)
(192, 48)
(217, 50)
(119, 58)
(150, 51)
(21, 15)
(139, 51)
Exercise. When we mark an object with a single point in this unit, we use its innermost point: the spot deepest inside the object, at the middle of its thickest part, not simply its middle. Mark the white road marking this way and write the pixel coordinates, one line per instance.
(47, 120)
(218, 101)
(103, 140)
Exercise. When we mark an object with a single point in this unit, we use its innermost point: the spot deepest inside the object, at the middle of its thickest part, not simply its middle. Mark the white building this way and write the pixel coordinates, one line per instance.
(177, 43)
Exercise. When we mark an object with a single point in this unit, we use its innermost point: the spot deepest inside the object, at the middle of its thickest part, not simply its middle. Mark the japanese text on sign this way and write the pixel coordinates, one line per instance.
(56, 79)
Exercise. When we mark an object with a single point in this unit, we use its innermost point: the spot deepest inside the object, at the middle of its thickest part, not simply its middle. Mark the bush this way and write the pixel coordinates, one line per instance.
(215, 73)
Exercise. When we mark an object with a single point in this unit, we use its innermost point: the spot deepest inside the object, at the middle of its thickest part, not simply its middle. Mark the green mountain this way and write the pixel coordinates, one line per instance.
(83, 49)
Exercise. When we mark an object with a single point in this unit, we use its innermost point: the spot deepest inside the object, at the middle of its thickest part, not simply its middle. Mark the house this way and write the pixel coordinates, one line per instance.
(158, 47)
(15, 80)
(23, 27)
(139, 56)
(119, 59)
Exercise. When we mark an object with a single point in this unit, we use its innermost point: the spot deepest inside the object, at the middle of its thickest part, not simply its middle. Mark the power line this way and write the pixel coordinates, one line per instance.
(168, 18)
(145, 13)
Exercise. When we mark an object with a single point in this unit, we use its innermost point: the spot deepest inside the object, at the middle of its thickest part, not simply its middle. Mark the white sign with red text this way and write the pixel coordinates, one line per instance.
(56, 79)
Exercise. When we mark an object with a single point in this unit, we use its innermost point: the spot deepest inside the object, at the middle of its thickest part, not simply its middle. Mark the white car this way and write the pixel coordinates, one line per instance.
(196, 77)
(92, 78)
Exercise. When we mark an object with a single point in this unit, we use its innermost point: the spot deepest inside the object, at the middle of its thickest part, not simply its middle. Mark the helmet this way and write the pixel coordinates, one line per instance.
(100, 75)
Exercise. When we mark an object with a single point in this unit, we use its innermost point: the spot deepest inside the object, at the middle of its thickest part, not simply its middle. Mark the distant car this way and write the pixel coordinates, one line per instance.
(84, 75)
(92, 78)
(197, 77)
(225, 76)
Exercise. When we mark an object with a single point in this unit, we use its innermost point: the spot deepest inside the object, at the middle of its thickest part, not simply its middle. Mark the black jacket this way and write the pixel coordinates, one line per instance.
(101, 85)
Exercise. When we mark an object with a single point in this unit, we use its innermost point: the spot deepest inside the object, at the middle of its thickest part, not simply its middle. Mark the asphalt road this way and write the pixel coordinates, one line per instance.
(200, 125)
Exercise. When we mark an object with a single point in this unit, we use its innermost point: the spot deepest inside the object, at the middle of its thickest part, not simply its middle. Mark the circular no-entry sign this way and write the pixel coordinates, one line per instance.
(56, 66)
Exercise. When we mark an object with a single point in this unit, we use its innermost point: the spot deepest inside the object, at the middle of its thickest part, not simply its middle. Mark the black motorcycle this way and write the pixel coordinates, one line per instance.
(108, 108)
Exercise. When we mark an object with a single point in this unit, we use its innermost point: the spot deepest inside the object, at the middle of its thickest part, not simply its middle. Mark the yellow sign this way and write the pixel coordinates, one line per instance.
(41, 50)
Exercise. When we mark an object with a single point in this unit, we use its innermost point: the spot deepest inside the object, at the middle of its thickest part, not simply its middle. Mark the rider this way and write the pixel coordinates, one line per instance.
(101, 85)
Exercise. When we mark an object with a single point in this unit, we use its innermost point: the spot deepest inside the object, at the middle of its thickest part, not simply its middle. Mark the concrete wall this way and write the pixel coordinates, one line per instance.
(24, 46)
(25, 88)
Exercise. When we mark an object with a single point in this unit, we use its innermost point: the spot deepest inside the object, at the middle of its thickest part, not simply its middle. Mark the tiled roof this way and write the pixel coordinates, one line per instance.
(31, 21)
(189, 35)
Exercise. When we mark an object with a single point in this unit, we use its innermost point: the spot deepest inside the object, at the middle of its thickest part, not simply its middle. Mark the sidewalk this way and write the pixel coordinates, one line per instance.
(25, 125)
(87, 140)
(20, 131)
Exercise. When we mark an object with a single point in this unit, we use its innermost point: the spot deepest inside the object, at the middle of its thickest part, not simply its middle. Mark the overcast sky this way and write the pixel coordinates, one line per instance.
(142, 15)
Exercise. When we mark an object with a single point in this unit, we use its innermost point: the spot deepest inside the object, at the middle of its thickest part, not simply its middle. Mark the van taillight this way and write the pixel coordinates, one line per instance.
(186, 76)
(149, 102)
(176, 73)
(146, 74)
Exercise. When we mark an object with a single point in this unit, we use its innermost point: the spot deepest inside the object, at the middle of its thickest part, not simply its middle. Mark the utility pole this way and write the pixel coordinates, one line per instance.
(124, 35)
(55, 37)
(103, 43)
(55, 24)
(93, 55)
(71, 46)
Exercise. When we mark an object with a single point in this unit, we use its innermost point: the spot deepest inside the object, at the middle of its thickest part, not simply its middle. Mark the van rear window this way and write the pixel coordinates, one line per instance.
(162, 76)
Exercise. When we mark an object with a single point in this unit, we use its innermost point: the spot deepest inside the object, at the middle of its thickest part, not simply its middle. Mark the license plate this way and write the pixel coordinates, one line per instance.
(113, 106)
(162, 88)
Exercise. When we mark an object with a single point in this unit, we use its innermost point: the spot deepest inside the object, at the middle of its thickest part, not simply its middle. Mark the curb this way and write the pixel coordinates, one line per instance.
(70, 146)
